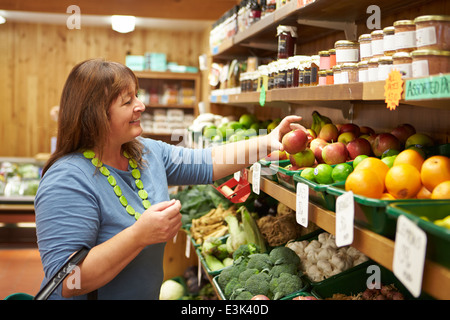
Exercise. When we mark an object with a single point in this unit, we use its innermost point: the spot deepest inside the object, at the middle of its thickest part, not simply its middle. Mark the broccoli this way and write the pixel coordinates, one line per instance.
(283, 268)
(241, 294)
(245, 250)
(259, 261)
(285, 284)
(225, 277)
(284, 255)
(247, 274)
(258, 284)
(231, 286)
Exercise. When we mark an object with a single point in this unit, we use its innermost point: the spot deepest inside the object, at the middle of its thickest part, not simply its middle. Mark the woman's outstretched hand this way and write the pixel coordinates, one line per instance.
(289, 123)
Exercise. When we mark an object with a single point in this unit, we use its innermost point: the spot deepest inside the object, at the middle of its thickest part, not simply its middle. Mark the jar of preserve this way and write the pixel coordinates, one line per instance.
(433, 32)
(363, 71)
(287, 39)
(365, 47)
(332, 53)
(263, 77)
(430, 62)
(389, 41)
(330, 76)
(324, 60)
(384, 67)
(402, 61)
(322, 78)
(377, 43)
(405, 36)
(337, 74)
(346, 51)
(282, 73)
(373, 69)
(272, 75)
(349, 73)
(315, 61)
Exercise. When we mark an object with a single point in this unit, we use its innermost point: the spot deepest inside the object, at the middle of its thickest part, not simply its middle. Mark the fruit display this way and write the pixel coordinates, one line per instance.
(18, 178)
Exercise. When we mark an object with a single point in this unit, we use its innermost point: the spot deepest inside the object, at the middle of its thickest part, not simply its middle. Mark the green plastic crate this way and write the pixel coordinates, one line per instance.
(285, 177)
(270, 173)
(438, 237)
(354, 282)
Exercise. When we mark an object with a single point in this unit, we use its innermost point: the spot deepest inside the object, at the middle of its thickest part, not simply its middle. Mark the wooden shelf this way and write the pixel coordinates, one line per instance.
(169, 106)
(436, 278)
(167, 75)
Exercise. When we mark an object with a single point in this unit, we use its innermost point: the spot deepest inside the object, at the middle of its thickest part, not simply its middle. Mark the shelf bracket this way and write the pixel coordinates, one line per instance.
(349, 28)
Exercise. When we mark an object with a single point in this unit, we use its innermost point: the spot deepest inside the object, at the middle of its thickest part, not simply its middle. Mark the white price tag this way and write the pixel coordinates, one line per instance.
(345, 212)
(302, 204)
(237, 176)
(256, 177)
(409, 254)
(187, 251)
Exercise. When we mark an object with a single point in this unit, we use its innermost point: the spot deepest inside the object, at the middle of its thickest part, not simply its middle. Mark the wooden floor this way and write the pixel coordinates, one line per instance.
(20, 269)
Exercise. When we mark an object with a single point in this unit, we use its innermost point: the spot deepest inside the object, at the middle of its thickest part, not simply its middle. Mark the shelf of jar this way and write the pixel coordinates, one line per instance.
(436, 278)
(194, 76)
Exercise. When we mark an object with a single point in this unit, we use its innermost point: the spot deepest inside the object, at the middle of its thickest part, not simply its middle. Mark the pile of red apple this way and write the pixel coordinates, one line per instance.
(340, 143)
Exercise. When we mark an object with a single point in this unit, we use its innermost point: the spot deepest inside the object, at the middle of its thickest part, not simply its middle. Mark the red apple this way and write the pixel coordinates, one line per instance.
(303, 158)
(276, 155)
(318, 153)
(385, 141)
(350, 127)
(335, 153)
(346, 137)
(317, 142)
(357, 147)
(329, 132)
(294, 141)
(403, 132)
(366, 130)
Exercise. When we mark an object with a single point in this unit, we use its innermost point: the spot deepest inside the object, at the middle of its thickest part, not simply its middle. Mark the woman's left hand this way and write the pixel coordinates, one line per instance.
(289, 123)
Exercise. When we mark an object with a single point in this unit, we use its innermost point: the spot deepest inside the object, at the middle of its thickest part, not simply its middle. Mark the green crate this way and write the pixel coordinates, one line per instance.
(354, 282)
(285, 177)
(438, 237)
(268, 172)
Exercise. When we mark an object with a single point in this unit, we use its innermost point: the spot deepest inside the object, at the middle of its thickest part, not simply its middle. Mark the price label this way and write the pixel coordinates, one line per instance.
(345, 212)
(237, 175)
(187, 251)
(409, 254)
(302, 204)
(256, 177)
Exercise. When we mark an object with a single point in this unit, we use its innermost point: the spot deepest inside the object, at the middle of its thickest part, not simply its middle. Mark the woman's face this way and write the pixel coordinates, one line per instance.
(125, 115)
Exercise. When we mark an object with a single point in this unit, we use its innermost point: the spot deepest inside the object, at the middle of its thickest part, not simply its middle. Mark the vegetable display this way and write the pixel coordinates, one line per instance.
(212, 224)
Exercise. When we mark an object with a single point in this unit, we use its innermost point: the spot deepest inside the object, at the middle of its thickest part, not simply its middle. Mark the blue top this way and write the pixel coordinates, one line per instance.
(75, 208)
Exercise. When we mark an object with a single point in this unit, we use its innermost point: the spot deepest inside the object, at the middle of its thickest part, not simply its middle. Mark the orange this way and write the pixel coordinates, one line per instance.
(435, 169)
(376, 165)
(410, 156)
(387, 196)
(423, 193)
(364, 182)
(441, 191)
(403, 181)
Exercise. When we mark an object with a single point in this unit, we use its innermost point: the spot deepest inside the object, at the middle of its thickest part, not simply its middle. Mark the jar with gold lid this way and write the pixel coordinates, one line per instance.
(365, 47)
(330, 76)
(384, 67)
(373, 69)
(332, 53)
(349, 73)
(402, 61)
(363, 71)
(389, 41)
(433, 32)
(405, 35)
(377, 43)
(430, 62)
(324, 63)
(322, 78)
(336, 74)
(346, 51)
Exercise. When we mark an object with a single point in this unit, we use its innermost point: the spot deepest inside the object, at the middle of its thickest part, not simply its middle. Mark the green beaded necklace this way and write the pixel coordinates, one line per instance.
(89, 154)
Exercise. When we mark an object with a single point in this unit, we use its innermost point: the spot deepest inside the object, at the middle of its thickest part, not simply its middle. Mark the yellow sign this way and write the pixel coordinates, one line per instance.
(393, 89)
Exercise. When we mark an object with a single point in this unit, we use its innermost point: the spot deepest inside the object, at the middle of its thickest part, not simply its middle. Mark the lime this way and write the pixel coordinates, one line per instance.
(389, 160)
(341, 171)
(308, 174)
(322, 173)
(358, 159)
(389, 153)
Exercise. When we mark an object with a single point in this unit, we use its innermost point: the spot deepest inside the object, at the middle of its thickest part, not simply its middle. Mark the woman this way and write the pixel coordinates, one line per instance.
(106, 188)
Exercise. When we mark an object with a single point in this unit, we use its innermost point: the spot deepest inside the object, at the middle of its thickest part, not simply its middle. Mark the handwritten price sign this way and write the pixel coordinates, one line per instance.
(393, 89)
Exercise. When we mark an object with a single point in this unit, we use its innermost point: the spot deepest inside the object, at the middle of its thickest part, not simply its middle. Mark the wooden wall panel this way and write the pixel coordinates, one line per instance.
(35, 60)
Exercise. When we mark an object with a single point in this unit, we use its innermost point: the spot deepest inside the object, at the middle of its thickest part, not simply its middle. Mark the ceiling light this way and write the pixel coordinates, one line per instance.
(2, 20)
(123, 24)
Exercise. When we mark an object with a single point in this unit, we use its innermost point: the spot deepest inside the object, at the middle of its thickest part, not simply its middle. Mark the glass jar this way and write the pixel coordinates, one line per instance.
(433, 32)
(287, 39)
(349, 73)
(330, 76)
(373, 69)
(430, 62)
(324, 60)
(363, 71)
(315, 61)
(384, 67)
(271, 83)
(389, 41)
(405, 36)
(282, 73)
(346, 51)
(322, 78)
(337, 74)
(402, 61)
(332, 53)
(377, 43)
(263, 77)
(365, 47)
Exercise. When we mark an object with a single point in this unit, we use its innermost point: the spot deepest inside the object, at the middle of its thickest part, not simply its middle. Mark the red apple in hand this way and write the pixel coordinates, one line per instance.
(335, 153)
(329, 132)
(357, 147)
(294, 141)
(350, 127)
(303, 158)
(385, 141)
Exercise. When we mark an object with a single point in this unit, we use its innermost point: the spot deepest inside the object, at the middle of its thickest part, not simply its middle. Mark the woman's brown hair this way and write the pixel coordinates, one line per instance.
(83, 121)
